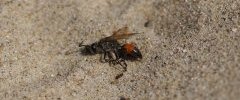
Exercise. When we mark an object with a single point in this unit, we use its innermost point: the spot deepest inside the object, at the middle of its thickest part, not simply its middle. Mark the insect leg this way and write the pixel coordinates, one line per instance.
(109, 56)
(116, 54)
(102, 58)
(106, 56)
(81, 44)
(123, 64)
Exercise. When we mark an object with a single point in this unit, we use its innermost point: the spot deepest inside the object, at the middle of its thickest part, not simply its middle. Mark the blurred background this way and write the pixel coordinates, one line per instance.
(190, 49)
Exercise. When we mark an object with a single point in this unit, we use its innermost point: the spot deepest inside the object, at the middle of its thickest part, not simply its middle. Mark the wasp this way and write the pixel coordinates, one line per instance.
(112, 51)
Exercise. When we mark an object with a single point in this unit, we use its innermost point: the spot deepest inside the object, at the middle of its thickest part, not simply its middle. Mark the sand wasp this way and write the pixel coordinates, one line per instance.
(112, 51)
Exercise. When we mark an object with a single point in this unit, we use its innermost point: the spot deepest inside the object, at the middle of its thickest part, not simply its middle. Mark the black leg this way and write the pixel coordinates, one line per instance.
(103, 59)
(123, 64)
(107, 57)
(116, 54)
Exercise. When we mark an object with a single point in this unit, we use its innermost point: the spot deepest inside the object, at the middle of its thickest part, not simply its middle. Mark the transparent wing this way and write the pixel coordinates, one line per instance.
(122, 33)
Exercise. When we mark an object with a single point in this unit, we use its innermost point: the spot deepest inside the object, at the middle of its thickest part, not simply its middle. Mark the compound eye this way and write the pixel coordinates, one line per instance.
(94, 48)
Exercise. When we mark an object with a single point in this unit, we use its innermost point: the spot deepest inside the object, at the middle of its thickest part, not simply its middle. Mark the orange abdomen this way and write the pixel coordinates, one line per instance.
(129, 47)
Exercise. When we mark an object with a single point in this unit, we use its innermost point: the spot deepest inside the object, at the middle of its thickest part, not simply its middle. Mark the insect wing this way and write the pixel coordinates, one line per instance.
(122, 33)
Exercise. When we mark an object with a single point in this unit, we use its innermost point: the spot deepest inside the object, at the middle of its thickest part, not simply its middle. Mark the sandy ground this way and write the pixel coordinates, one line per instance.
(190, 49)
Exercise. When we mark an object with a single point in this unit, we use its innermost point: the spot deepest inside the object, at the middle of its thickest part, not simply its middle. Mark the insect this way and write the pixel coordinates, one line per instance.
(112, 51)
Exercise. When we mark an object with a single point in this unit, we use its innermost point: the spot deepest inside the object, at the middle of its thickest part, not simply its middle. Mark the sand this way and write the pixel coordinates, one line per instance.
(190, 49)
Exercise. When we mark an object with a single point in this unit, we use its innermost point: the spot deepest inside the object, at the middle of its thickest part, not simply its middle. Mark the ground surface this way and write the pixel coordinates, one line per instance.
(191, 49)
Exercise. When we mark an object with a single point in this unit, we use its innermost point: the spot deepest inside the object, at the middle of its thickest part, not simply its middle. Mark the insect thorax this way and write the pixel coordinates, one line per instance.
(108, 45)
